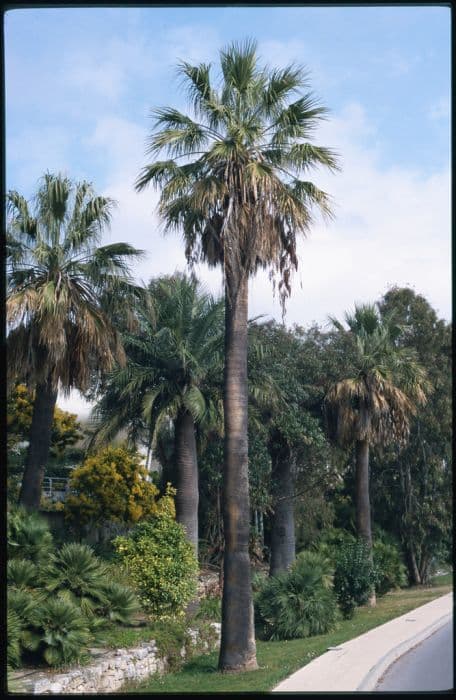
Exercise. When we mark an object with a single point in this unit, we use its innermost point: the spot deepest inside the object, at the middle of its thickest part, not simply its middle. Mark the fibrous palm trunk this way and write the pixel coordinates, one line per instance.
(363, 510)
(237, 647)
(39, 445)
(283, 549)
(187, 476)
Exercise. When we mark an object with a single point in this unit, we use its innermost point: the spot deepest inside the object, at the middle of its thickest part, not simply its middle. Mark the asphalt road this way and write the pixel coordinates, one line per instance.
(426, 667)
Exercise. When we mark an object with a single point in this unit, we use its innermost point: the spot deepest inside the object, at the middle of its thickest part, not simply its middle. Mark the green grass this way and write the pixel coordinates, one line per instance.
(277, 660)
(117, 637)
(442, 580)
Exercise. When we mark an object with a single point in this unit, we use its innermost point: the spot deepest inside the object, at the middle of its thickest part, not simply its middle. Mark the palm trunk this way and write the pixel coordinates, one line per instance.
(237, 646)
(39, 445)
(187, 476)
(283, 548)
(363, 511)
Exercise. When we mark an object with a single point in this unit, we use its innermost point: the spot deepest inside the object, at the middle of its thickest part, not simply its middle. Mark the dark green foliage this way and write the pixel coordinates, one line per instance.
(22, 573)
(76, 573)
(60, 604)
(298, 603)
(413, 487)
(120, 603)
(64, 632)
(29, 536)
(14, 629)
(390, 569)
(210, 608)
(24, 606)
(354, 576)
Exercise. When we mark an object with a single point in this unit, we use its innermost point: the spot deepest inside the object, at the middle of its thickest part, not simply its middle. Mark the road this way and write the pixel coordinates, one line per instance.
(428, 666)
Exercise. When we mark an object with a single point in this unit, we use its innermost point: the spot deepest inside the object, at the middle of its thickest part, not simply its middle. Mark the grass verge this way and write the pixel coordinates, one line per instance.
(278, 660)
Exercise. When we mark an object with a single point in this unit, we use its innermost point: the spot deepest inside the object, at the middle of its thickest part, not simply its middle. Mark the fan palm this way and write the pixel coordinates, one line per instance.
(374, 404)
(232, 181)
(59, 332)
(171, 357)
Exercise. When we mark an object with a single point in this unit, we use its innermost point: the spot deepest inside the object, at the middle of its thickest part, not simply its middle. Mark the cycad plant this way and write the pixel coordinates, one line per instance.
(58, 277)
(299, 602)
(232, 177)
(375, 401)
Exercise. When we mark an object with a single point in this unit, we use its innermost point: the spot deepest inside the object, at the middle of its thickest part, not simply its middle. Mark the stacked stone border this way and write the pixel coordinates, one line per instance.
(109, 670)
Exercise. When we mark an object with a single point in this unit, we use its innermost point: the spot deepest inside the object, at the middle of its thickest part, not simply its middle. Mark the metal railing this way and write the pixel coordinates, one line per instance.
(55, 488)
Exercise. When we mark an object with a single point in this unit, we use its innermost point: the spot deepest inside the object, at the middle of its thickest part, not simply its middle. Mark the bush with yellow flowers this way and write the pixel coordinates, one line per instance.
(111, 486)
(161, 563)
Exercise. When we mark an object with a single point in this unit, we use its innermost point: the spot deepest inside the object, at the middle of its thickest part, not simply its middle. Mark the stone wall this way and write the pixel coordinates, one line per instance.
(108, 671)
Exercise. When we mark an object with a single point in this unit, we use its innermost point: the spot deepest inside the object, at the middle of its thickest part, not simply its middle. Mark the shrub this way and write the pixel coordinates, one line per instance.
(63, 632)
(23, 606)
(21, 573)
(120, 603)
(161, 563)
(75, 571)
(210, 608)
(298, 603)
(29, 536)
(14, 627)
(80, 577)
(390, 569)
(59, 601)
(111, 486)
(354, 576)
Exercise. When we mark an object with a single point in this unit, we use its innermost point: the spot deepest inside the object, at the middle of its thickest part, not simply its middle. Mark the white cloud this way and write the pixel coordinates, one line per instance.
(392, 225)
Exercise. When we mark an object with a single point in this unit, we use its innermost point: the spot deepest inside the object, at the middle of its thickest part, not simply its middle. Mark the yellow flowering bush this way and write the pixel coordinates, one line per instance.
(111, 486)
(161, 563)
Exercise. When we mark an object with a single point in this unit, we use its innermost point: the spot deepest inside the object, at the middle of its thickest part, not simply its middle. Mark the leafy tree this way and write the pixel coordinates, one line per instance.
(111, 486)
(374, 402)
(231, 182)
(171, 359)
(295, 440)
(412, 488)
(66, 429)
(59, 332)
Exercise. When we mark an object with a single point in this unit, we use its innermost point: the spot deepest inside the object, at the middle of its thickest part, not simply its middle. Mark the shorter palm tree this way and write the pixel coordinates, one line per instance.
(60, 333)
(374, 402)
(171, 358)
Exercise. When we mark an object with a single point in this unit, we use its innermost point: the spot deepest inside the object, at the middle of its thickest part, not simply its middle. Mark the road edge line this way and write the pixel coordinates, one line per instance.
(374, 674)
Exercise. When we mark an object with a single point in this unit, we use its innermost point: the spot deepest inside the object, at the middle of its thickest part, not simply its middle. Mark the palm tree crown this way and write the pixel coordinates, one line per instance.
(385, 386)
(171, 354)
(56, 280)
(233, 177)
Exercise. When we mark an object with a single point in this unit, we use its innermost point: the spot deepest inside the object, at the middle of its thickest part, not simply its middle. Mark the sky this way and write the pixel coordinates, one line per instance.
(80, 84)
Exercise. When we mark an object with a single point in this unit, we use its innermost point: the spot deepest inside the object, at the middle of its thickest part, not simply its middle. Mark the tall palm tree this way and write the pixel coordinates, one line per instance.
(231, 181)
(171, 357)
(59, 332)
(375, 402)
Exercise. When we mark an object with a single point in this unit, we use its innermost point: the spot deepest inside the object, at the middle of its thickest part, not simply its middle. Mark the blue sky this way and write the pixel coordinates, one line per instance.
(80, 84)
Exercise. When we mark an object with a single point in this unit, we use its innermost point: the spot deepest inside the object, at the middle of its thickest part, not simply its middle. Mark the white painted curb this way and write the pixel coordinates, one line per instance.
(371, 679)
